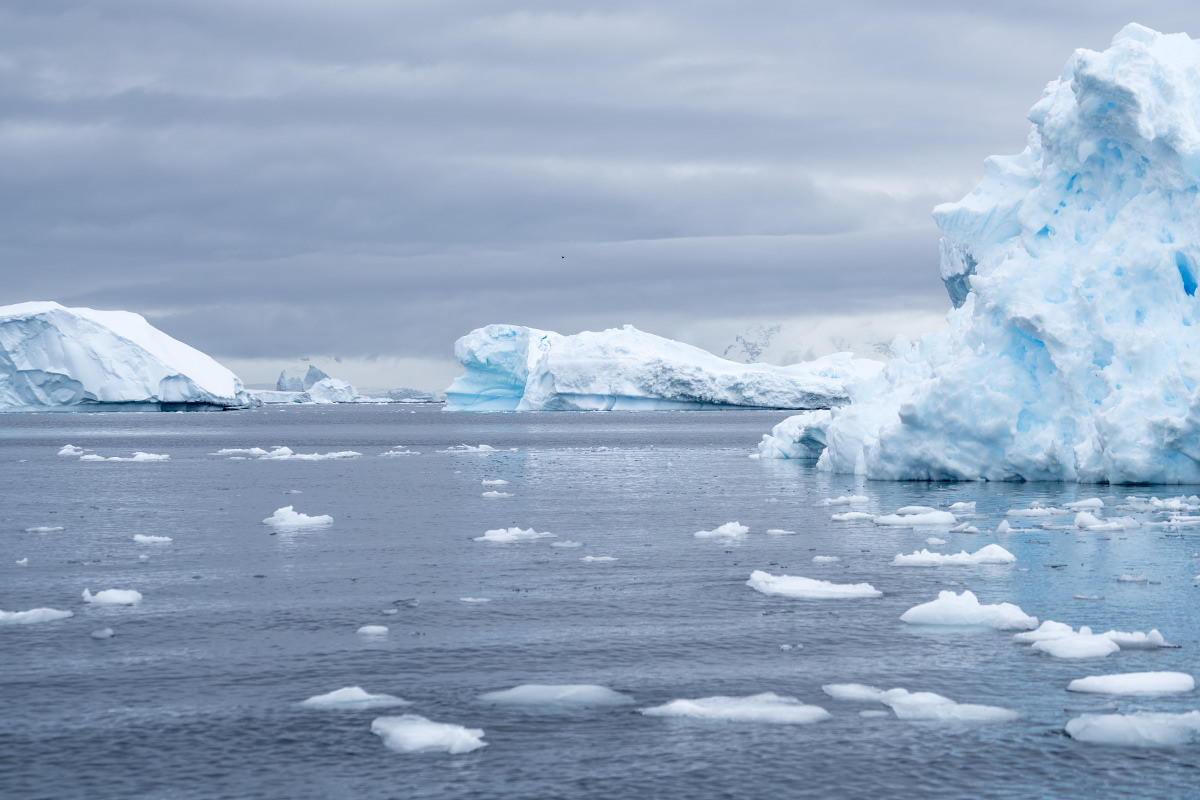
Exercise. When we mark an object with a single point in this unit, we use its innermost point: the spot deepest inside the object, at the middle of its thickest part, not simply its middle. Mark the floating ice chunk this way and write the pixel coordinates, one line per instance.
(730, 530)
(1142, 729)
(1049, 629)
(475, 599)
(400, 451)
(908, 511)
(566, 543)
(965, 609)
(991, 554)
(965, 527)
(1083, 644)
(1036, 512)
(538, 694)
(1004, 527)
(138, 455)
(481, 449)
(141, 538)
(846, 500)
(808, 588)
(963, 508)
(415, 734)
(143, 557)
(934, 541)
(373, 630)
(920, 705)
(496, 482)
(1135, 683)
(71, 450)
(513, 535)
(1138, 640)
(598, 558)
(102, 633)
(22, 562)
(287, 519)
(1127, 578)
(1091, 504)
(113, 597)
(1089, 597)
(493, 495)
(780, 532)
(353, 698)
(852, 516)
(826, 559)
(766, 707)
(33, 616)
(916, 519)
(853, 691)
(1062, 641)
(1086, 521)
(45, 529)
(279, 454)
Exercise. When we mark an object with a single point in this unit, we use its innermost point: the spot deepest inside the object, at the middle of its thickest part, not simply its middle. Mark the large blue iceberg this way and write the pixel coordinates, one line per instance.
(514, 368)
(1072, 351)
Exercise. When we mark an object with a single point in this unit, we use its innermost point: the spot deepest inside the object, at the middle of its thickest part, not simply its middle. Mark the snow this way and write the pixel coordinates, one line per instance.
(1069, 354)
(33, 616)
(991, 554)
(1141, 729)
(513, 534)
(142, 538)
(57, 358)
(767, 707)
(416, 734)
(353, 698)
(574, 695)
(730, 530)
(920, 705)
(965, 609)
(1135, 683)
(113, 597)
(808, 588)
(514, 368)
(288, 519)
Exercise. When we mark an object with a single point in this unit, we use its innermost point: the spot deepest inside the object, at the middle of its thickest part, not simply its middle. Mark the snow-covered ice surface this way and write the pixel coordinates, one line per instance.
(920, 705)
(1135, 683)
(1139, 729)
(951, 608)
(988, 554)
(766, 707)
(287, 518)
(808, 588)
(513, 534)
(57, 358)
(240, 622)
(514, 368)
(353, 698)
(33, 616)
(113, 597)
(730, 530)
(1073, 269)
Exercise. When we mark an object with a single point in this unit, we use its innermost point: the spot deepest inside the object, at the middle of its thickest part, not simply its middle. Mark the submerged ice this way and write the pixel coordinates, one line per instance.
(514, 368)
(1073, 268)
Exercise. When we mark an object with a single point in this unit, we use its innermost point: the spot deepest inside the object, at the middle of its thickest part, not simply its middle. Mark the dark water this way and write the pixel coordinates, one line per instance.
(197, 693)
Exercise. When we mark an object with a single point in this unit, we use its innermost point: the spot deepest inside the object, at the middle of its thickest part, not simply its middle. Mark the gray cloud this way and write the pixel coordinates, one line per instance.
(370, 178)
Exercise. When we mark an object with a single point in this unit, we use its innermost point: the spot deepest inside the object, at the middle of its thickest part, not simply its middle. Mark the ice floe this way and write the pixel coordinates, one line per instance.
(963, 507)
(1135, 683)
(287, 518)
(283, 454)
(934, 541)
(808, 588)
(113, 597)
(846, 500)
(416, 734)
(965, 609)
(22, 562)
(45, 529)
(767, 707)
(142, 538)
(33, 616)
(513, 534)
(539, 694)
(826, 559)
(71, 450)
(780, 532)
(480, 449)
(917, 517)
(102, 633)
(475, 599)
(1060, 640)
(353, 698)
(591, 559)
(566, 543)
(730, 530)
(920, 705)
(990, 554)
(496, 482)
(494, 495)
(400, 450)
(852, 516)
(1127, 578)
(1141, 729)
(137, 456)
(373, 630)
(1087, 521)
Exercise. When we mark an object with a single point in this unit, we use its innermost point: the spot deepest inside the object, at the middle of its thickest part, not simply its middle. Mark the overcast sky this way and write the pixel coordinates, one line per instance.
(269, 179)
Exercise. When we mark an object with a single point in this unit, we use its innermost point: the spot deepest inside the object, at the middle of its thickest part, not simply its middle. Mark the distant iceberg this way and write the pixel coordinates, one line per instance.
(57, 358)
(1071, 352)
(513, 368)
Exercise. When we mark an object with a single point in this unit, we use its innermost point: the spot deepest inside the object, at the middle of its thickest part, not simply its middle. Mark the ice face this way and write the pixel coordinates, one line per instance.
(513, 368)
(53, 357)
(1070, 354)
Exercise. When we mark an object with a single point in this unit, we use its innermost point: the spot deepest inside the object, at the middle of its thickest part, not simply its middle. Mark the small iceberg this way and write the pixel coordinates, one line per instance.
(513, 534)
(287, 518)
(1142, 729)
(991, 554)
(1135, 683)
(965, 609)
(730, 530)
(353, 698)
(113, 597)
(920, 705)
(767, 707)
(572, 695)
(808, 588)
(33, 616)
(416, 734)
(141, 538)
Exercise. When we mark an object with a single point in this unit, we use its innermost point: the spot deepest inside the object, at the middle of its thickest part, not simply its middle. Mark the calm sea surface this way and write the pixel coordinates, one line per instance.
(197, 694)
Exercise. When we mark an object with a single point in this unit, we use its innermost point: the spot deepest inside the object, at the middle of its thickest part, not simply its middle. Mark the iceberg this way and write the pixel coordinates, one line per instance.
(58, 358)
(514, 368)
(1072, 270)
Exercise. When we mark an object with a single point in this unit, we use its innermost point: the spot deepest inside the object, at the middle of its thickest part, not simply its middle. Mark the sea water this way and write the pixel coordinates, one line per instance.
(198, 691)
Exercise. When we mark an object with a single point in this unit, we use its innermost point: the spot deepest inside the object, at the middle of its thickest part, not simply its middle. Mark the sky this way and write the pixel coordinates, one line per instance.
(368, 180)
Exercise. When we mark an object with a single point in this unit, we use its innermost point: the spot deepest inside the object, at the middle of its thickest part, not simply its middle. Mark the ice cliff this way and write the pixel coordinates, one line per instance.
(1072, 351)
(513, 368)
(54, 358)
